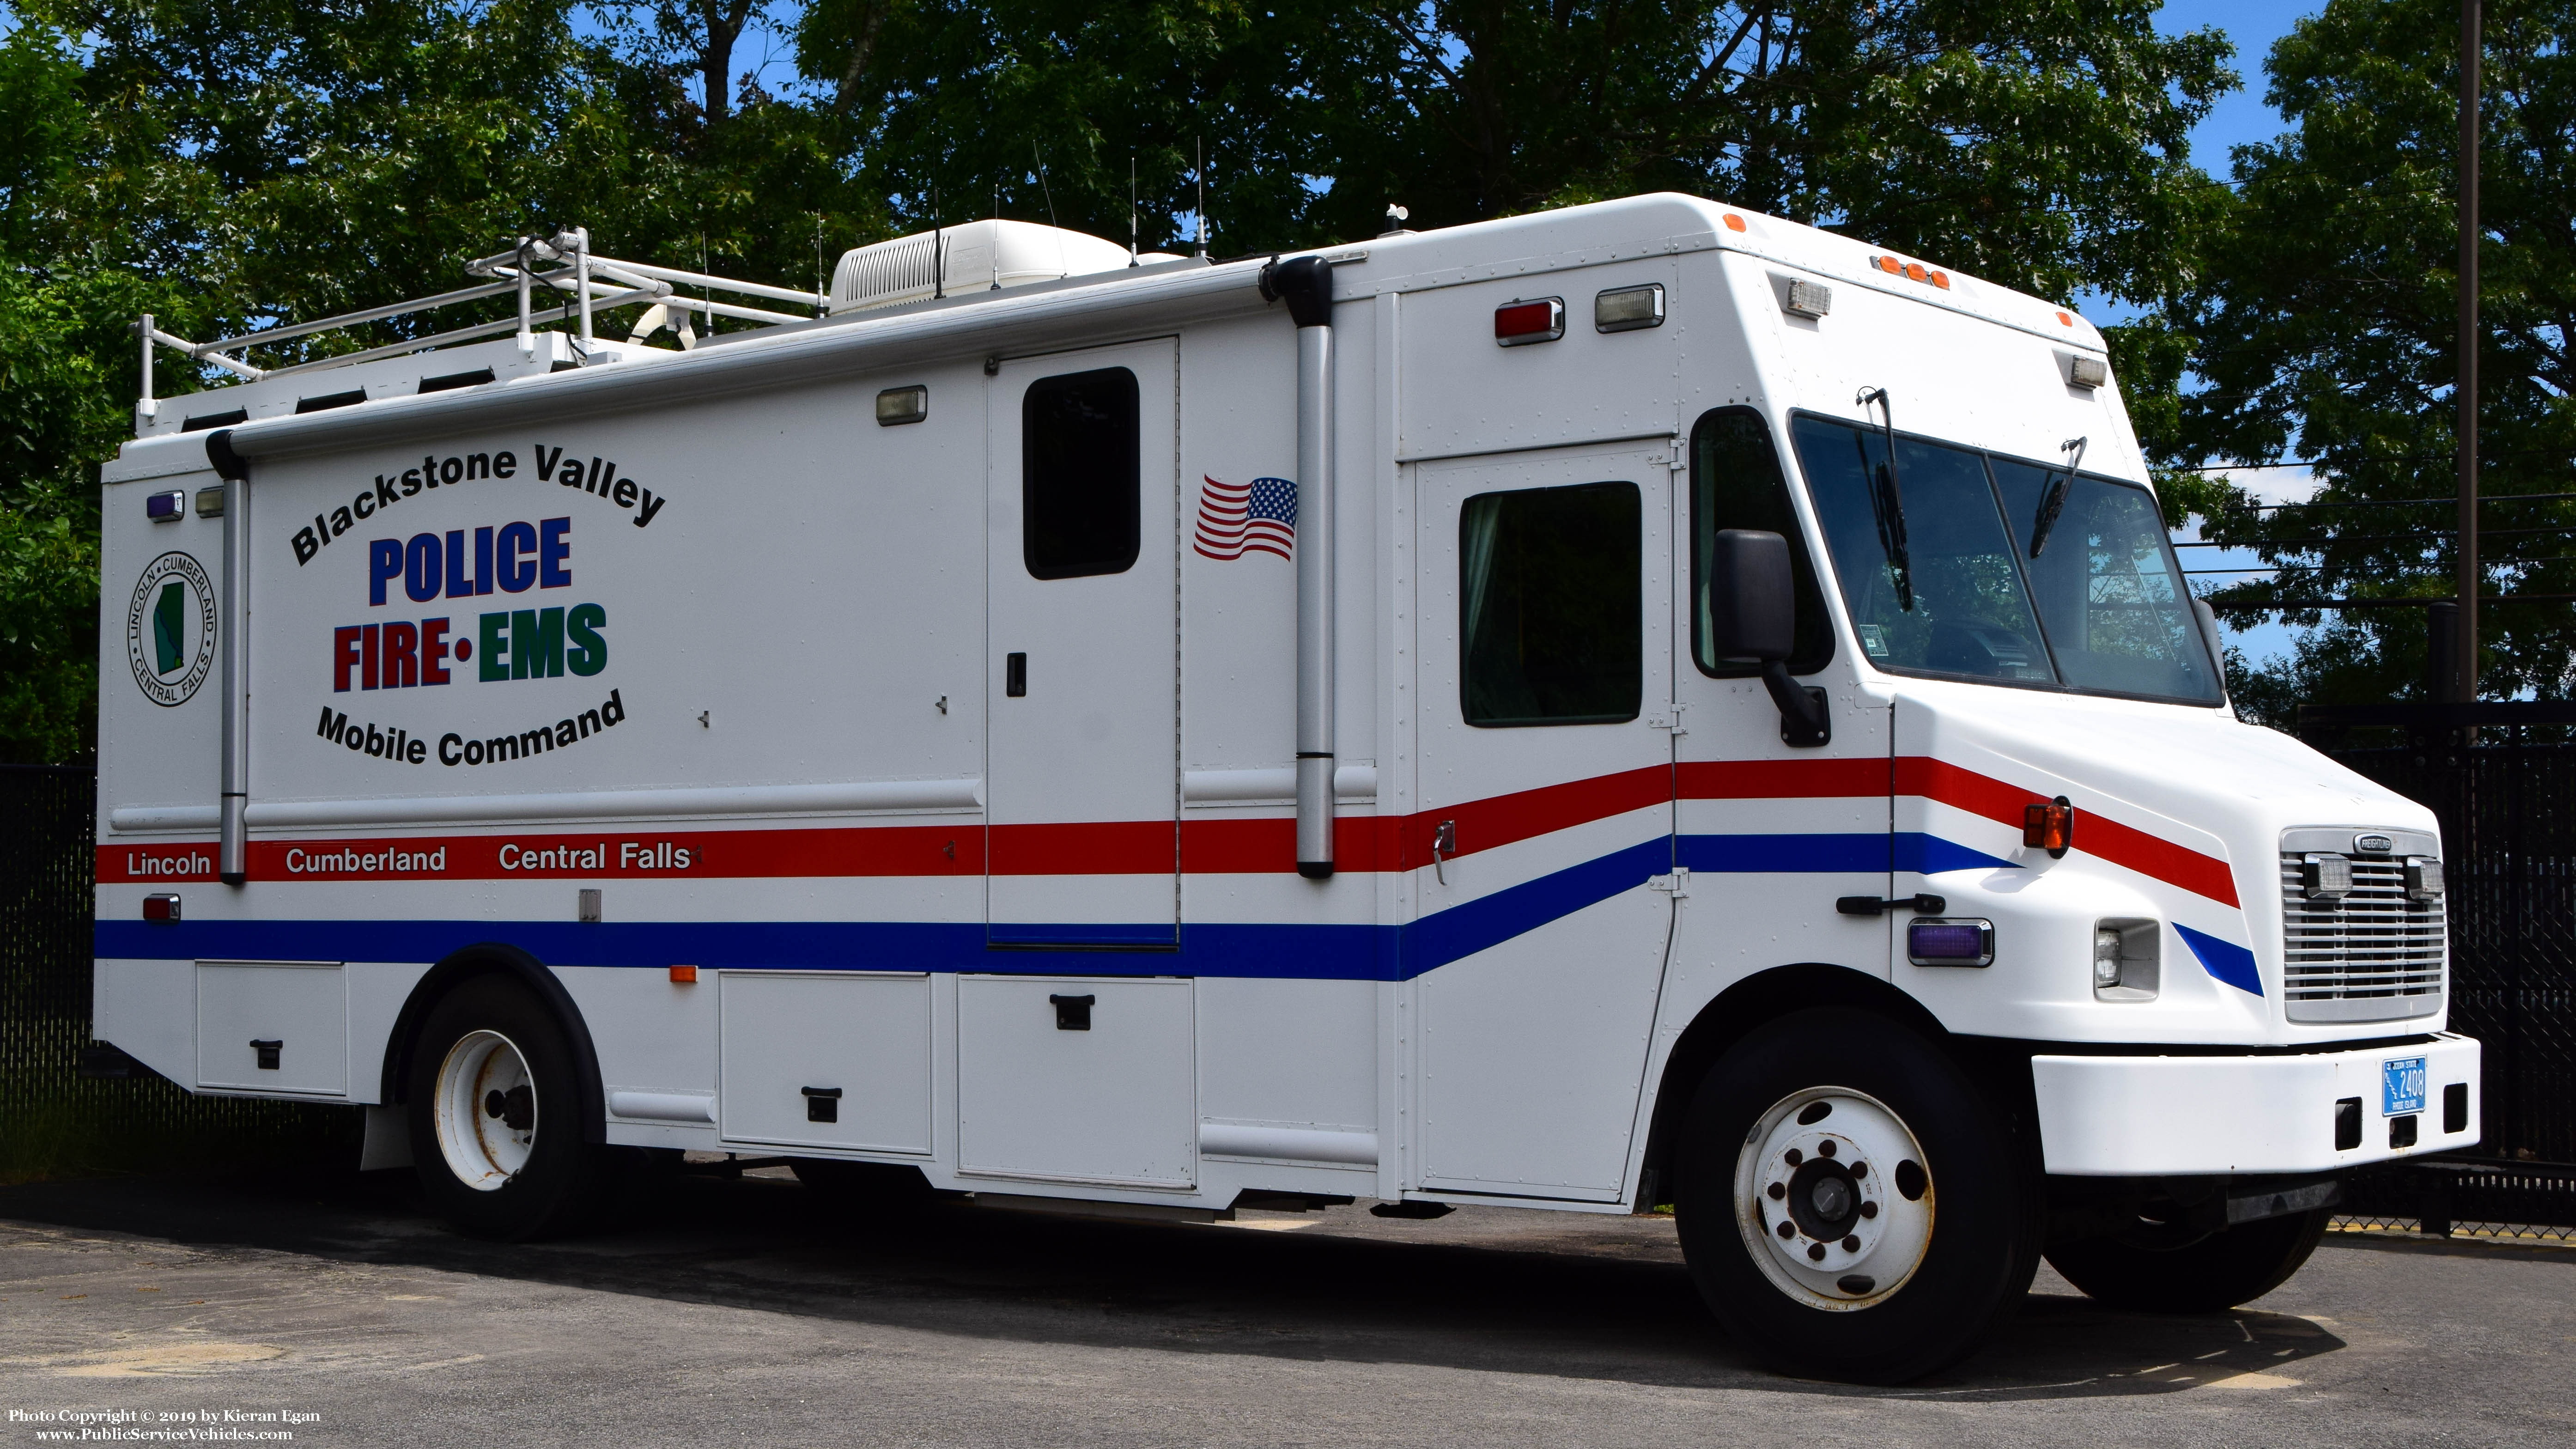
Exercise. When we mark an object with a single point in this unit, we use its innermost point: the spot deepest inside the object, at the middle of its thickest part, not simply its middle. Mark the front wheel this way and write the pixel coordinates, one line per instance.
(2212, 1275)
(1851, 1206)
(495, 1124)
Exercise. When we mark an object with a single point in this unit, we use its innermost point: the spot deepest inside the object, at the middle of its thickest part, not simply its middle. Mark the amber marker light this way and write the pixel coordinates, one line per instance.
(2049, 826)
(685, 975)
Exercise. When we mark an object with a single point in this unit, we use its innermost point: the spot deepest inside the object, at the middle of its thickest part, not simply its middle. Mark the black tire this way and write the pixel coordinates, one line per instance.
(558, 1187)
(1951, 1276)
(2213, 1275)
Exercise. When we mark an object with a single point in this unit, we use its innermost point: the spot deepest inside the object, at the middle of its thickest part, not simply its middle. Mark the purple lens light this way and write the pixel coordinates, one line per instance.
(1950, 943)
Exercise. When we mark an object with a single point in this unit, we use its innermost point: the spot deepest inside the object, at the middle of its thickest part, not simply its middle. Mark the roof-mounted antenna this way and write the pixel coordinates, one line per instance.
(1203, 221)
(1131, 210)
(1043, 188)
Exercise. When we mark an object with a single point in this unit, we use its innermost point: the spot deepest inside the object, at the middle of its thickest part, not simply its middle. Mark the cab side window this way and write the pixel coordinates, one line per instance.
(1736, 483)
(1551, 626)
(1078, 474)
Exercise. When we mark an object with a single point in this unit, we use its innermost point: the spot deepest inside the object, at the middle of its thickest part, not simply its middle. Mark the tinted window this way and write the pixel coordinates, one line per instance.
(1551, 620)
(1736, 483)
(1968, 614)
(1078, 474)
(2111, 597)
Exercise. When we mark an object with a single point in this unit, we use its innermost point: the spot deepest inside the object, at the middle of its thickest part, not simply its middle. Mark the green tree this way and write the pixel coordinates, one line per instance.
(2038, 143)
(2325, 326)
(229, 165)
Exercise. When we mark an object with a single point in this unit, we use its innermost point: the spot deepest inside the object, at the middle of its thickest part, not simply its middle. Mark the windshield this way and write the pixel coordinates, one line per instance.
(2110, 616)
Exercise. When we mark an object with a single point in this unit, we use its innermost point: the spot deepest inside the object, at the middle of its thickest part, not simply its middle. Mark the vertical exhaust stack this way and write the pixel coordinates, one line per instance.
(232, 853)
(1306, 285)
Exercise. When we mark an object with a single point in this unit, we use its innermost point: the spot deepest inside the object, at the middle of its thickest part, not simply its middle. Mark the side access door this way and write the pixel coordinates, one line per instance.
(1077, 1046)
(1082, 777)
(1546, 814)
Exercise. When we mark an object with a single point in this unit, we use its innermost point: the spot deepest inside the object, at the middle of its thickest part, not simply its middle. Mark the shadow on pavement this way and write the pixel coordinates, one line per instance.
(1514, 1292)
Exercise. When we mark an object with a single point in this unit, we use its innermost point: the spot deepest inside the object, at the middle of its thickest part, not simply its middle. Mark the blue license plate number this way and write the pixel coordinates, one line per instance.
(2401, 1086)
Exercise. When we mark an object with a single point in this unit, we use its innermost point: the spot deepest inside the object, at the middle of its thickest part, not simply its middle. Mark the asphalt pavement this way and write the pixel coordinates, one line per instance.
(751, 1311)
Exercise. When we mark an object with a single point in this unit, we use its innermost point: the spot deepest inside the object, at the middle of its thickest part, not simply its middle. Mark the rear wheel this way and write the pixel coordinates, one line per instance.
(2212, 1275)
(1850, 1205)
(495, 1120)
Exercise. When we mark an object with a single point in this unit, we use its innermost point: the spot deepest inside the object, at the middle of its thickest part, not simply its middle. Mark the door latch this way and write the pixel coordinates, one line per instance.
(267, 1053)
(822, 1104)
(1072, 1013)
(1444, 843)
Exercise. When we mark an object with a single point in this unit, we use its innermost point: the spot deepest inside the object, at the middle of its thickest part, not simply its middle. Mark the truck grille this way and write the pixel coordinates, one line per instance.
(2374, 955)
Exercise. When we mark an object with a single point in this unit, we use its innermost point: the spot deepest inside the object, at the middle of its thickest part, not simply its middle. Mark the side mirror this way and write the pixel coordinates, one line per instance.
(1753, 619)
(1752, 597)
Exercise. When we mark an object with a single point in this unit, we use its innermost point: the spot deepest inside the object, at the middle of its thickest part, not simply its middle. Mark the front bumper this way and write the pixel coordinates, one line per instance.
(2149, 1116)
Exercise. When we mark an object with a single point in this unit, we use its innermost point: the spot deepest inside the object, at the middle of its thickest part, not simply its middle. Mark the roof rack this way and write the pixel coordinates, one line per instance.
(522, 269)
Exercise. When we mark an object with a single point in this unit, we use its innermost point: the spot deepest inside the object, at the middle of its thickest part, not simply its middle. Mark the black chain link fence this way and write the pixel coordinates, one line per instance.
(2502, 778)
(54, 1119)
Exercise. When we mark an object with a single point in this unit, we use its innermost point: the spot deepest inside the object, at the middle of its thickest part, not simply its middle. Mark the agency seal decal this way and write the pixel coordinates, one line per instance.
(170, 628)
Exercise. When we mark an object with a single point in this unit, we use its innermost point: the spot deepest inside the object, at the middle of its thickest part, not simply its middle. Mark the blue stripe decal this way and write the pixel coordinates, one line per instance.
(1871, 854)
(1931, 855)
(1462, 931)
(2225, 960)
(1801, 854)
(1214, 949)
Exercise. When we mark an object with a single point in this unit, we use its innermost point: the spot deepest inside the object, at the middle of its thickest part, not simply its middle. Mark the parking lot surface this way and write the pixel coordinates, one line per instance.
(751, 1311)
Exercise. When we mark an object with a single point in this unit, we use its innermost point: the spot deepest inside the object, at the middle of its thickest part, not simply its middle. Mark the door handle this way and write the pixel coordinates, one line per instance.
(267, 1053)
(1015, 675)
(1444, 842)
(1072, 1013)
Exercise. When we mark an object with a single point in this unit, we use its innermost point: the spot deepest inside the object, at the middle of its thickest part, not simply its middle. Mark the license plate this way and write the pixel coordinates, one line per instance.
(2401, 1086)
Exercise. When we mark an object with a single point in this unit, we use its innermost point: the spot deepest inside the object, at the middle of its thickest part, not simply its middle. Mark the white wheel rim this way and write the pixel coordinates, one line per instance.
(486, 1110)
(1852, 1190)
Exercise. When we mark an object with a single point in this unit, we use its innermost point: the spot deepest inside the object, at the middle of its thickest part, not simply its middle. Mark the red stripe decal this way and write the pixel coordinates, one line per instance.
(1262, 845)
(2096, 834)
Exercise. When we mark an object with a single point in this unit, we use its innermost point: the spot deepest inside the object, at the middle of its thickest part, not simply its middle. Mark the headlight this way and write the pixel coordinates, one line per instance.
(2423, 878)
(2127, 963)
(2326, 877)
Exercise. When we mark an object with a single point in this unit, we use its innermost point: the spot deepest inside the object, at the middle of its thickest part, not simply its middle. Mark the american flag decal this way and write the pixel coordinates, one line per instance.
(1236, 519)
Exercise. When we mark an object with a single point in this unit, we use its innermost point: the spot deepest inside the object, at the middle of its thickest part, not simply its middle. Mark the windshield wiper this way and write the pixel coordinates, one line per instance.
(2051, 502)
(1887, 500)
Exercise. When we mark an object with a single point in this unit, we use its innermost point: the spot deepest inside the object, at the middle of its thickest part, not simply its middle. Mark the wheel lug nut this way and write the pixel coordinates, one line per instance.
(1869, 1210)
(1793, 1157)
(1852, 1243)
(1815, 1252)
(1778, 1191)
(1825, 1148)
(1787, 1231)
(1859, 1168)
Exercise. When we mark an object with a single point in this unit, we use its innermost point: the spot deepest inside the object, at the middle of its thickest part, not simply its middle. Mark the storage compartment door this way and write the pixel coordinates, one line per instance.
(273, 1026)
(1078, 1080)
(815, 1059)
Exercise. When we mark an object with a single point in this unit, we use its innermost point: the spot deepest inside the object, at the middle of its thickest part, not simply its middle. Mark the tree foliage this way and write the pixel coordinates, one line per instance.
(227, 166)
(2325, 329)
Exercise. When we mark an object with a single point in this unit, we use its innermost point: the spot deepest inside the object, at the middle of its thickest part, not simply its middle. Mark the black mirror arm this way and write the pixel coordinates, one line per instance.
(1804, 722)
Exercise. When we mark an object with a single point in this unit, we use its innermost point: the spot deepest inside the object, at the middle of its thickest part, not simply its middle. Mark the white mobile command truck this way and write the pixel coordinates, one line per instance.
(1640, 704)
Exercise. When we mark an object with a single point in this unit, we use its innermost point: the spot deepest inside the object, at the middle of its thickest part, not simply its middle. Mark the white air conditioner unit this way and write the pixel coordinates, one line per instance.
(978, 256)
